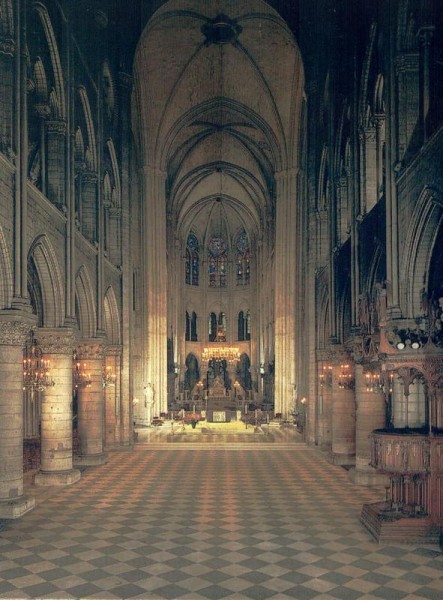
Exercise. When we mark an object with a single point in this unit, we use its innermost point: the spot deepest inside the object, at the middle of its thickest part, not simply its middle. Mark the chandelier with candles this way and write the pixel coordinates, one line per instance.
(36, 369)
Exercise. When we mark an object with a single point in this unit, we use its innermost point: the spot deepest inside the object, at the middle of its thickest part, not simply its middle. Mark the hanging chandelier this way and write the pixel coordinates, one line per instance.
(220, 353)
(36, 369)
(81, 376)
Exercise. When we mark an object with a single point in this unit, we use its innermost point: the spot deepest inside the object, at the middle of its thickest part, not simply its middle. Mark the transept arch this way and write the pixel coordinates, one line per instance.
(425, 222)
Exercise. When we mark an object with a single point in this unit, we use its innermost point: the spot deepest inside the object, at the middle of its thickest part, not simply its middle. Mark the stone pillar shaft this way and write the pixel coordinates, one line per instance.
(285, 290)
(370, 415)
(116, 410)
(89, 206)
(56, 133)
(343, 422)
(12, 502)
(56, 421)
(155, 281)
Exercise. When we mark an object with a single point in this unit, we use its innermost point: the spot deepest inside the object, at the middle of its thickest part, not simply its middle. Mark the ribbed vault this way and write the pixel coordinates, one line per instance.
(217, 100)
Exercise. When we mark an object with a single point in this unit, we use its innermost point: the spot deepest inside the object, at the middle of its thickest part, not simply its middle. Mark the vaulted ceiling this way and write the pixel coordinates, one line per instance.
(218, 86)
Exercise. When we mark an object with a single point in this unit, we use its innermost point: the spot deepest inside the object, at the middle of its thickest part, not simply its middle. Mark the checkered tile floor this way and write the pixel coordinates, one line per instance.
(238, 520)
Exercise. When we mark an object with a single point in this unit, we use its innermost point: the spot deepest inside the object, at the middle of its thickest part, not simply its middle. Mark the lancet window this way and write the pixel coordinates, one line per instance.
(244, 326)
(217, 262)
(242, 259)
(191, 327)
(217, 327)
(192, 260)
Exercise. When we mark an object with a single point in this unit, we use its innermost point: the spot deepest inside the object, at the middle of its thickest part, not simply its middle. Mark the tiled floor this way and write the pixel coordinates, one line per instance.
(228, 518)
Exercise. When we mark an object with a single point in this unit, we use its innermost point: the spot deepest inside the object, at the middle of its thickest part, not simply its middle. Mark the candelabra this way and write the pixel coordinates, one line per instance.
(81, 376)
(326, 376)
(36, 369)
(379, 382)
(220, 353)
(345, 378)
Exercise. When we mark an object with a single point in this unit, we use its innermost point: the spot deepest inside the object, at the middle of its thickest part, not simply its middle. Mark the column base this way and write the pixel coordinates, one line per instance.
(369, 477)
(116, 446)
(91, 460)
(45, 478)
(342, 459)
(14, 509)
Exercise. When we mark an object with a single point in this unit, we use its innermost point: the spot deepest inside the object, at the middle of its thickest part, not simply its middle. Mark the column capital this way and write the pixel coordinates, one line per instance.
(114, 350)
(408, 61)
(56, 126)
(14, 333)
(425, 34)
(7, 46)
(90, 349)
(55, 340)
(89, 177)
(125, 79)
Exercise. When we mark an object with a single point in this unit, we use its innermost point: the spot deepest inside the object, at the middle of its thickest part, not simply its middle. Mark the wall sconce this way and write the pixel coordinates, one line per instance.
(36, 369)
(262, 369)
(345, 379)
(81, 377)
(374, 382)
(108, 376)
(326, 376)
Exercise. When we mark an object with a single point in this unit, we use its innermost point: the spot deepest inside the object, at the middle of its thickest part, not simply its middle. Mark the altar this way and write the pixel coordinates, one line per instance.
(220, 406)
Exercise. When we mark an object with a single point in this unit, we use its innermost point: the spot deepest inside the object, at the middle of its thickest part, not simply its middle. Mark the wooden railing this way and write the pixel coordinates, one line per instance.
(400, 452)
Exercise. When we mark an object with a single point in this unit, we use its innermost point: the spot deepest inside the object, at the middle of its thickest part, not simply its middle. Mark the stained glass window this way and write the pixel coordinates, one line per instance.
(242, 259)
(192, 260)
(217, 262)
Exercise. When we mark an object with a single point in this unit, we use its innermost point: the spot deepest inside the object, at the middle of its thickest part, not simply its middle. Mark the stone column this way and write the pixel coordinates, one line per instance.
(343, 422)
(118, 431)
(89, 206)
(56, 424)
(370, 415)
(7, 52)
(13, 503)
(155, 282)
(285, 289)
(91, 404)
(324, 407)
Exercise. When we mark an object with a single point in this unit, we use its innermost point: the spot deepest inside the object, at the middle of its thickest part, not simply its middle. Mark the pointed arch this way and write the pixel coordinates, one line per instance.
(111, 317)
(322, 309)
(416, 257)
(55, 57)
(79, 146)
(51, 281)
(6, 279)
(41, 82)
(85, 304)
(107, 190)
(54, 104)
(92, 146)
(115, 170)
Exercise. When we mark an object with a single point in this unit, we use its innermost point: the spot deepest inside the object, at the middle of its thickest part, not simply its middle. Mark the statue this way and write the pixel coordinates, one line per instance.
(149, 401)
(424, 302)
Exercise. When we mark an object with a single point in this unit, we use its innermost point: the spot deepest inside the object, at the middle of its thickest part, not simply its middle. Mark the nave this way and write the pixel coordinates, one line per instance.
(198, 521)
